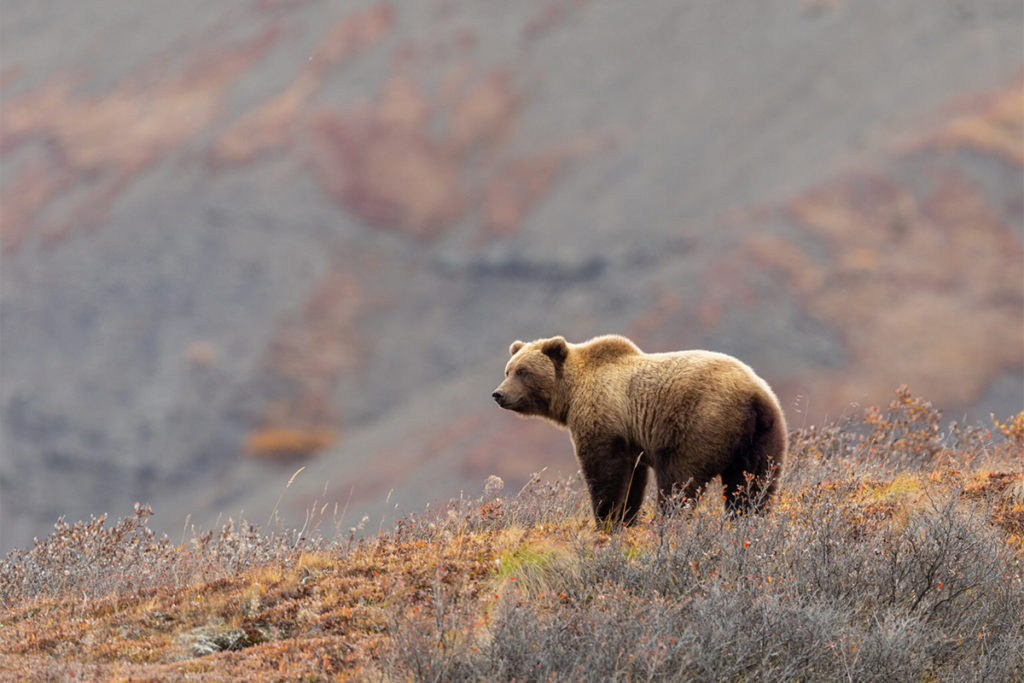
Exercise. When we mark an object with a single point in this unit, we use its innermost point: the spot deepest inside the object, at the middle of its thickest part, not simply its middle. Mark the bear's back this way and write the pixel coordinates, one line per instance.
(693, 376)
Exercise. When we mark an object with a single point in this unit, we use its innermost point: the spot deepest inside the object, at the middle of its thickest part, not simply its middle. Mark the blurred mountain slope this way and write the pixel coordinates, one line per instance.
(288, 233)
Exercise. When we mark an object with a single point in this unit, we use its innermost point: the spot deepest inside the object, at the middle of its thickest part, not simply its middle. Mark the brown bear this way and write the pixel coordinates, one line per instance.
(688, 415)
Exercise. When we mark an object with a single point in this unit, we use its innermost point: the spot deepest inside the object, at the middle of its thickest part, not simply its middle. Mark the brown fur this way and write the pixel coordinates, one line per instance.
(688, 415)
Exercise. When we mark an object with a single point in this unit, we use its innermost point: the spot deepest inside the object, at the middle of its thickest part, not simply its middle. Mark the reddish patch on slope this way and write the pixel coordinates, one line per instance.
(410, 160)
(484, 115)
(929, 281)
(307, 355)
(993, 123)
(26, 196)
(921, 280)
(388, 174)
(273, 125)
(517, 187)
(97, 146)
(388, 164)
(552, 15)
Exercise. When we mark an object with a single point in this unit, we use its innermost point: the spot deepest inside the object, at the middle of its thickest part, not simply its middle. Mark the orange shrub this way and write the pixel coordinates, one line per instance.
(282, 443)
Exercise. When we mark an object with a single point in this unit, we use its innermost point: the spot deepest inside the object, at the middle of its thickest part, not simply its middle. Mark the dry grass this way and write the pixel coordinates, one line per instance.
(895, 551)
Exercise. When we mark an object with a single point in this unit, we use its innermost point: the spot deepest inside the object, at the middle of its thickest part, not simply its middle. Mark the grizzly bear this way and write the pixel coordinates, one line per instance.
(688, 415)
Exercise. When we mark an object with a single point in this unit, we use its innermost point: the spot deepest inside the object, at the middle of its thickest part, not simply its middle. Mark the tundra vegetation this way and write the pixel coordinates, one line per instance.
(894, 551)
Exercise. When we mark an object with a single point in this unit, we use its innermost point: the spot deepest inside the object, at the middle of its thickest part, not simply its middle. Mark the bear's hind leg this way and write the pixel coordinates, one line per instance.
(750, 481)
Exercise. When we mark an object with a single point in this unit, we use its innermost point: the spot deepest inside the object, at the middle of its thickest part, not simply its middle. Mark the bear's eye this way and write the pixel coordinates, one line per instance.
(522, 372)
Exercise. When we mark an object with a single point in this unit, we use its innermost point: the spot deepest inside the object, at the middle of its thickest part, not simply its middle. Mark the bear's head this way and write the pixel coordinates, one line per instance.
(533, 376)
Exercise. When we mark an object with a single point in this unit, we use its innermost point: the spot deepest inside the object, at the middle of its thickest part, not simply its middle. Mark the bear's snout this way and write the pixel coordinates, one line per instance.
(503, 399)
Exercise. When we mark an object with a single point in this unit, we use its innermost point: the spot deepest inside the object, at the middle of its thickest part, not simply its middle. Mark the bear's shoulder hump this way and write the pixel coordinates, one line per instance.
(609, 348)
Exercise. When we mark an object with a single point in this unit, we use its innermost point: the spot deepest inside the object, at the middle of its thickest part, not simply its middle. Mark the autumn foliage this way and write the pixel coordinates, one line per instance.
(895, 551)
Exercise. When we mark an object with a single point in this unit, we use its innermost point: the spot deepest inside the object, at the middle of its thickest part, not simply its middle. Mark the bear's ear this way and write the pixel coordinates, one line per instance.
(516, 345)
(556, 349)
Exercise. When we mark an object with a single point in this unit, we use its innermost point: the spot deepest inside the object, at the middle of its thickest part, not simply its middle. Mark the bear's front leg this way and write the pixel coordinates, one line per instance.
(615, 480)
